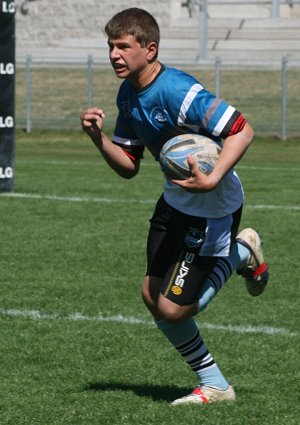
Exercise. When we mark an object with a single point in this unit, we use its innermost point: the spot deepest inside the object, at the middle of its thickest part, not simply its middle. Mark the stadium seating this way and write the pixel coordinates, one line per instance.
(238, 31)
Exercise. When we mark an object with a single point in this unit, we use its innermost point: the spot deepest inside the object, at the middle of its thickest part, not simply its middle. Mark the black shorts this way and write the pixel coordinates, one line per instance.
(183, 249)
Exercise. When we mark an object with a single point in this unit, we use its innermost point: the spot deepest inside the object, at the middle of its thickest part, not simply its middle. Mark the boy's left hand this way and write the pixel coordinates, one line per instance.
(198, 181)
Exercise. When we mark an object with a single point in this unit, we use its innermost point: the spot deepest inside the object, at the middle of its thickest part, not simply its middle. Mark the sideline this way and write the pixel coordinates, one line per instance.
(76, 316)
(124, 201)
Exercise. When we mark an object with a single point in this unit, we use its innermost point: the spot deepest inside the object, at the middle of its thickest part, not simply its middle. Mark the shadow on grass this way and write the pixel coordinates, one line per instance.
(155, 392)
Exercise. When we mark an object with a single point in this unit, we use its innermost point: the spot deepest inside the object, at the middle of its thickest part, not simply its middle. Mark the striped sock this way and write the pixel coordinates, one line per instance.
(221, 273)
(215, 281)
(185, 337)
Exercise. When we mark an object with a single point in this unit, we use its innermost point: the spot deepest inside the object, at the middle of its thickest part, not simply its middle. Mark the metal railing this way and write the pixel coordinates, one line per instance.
(193, 6)
(53, 97)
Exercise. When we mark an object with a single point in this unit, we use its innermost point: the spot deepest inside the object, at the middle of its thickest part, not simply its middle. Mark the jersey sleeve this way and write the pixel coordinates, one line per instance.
(224, 120)
(125, 136)
(201, 110)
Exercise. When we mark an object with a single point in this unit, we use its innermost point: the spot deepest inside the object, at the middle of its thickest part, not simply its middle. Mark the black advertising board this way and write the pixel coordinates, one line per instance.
(7, 95)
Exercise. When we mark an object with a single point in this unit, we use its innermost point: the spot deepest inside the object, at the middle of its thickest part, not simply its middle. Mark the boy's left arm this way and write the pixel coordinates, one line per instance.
(234, 148)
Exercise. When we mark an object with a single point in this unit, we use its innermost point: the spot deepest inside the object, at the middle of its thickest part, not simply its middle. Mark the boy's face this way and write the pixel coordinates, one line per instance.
(128, 57)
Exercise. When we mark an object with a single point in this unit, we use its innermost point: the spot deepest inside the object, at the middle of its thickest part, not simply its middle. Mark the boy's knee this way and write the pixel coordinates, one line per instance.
(174, 313)
(150, 294)
(172, 316)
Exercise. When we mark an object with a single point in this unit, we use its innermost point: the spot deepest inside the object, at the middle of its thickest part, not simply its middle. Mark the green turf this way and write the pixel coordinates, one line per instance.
(73, 255)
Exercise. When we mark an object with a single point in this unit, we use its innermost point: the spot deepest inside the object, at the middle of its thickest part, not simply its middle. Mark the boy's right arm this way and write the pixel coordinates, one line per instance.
(92, 123)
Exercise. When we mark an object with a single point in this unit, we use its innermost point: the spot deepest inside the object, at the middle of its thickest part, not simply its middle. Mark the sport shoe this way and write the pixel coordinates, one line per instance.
(204, 394)
(256, 272)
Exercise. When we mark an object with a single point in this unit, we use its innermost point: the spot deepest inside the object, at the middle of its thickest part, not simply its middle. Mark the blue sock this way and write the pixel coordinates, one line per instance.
(238, 256)
(221, 273)
(185, 337)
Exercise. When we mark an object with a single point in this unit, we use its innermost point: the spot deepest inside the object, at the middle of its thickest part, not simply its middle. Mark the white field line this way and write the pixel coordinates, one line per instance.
(76, 316)
(124, 201)
(77, 198)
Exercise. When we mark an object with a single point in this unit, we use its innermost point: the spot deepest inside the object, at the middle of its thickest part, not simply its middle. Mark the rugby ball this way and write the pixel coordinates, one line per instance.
(174, 154)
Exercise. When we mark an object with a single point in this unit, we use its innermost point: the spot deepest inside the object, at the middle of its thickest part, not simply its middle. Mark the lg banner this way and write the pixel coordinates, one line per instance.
(7, 95)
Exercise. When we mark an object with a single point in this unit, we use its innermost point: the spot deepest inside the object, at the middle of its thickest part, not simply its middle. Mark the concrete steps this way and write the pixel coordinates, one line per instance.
(238, 30)
(231, 37)
(264, 34)
(234, 40)
(238, 11)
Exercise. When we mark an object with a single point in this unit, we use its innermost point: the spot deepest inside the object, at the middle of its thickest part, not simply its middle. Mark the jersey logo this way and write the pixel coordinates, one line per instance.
(125, 107)
(194, 238)
(158, 115)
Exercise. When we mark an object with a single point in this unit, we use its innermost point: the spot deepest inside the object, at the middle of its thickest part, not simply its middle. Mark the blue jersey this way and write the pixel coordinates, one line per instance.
(176, 103)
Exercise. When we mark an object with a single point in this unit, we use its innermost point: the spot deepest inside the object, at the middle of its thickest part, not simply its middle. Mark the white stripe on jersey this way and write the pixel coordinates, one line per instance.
(223, 121)
(192, 93)
(127, 142)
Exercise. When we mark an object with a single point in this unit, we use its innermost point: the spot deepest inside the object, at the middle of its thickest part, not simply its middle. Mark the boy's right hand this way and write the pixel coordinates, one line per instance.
(92, 121)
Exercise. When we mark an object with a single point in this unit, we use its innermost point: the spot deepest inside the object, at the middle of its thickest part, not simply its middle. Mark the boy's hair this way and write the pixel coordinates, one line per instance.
(136, 22)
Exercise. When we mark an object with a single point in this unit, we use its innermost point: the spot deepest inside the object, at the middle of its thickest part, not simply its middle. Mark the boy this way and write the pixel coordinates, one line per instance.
(193, 232)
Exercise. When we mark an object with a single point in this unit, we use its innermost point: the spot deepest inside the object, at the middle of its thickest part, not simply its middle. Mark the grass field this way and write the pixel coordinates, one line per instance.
(77, 344)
